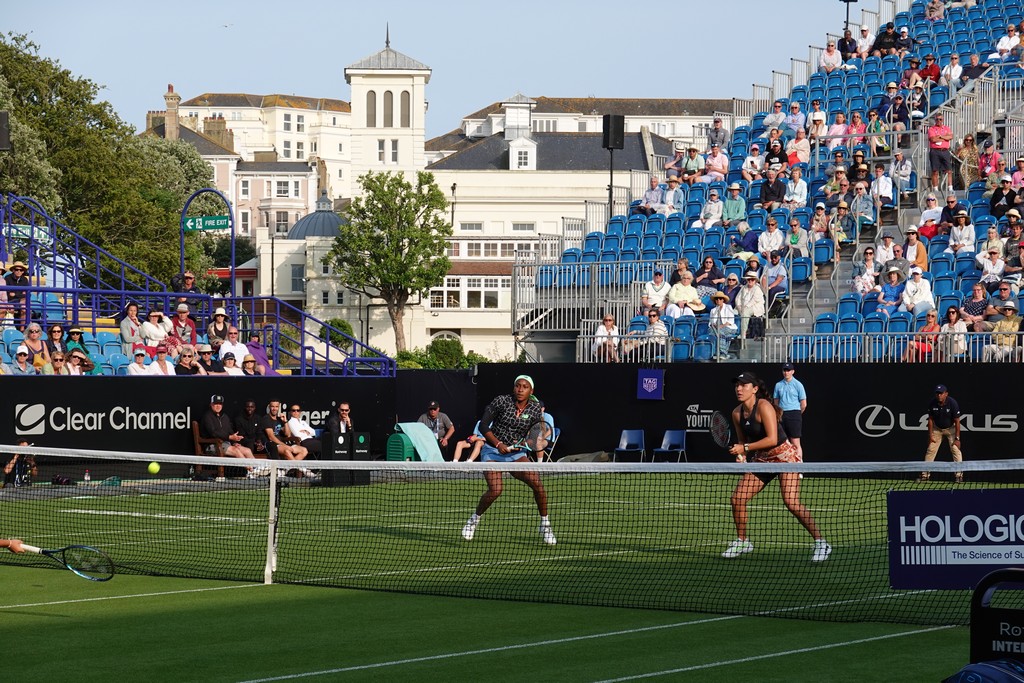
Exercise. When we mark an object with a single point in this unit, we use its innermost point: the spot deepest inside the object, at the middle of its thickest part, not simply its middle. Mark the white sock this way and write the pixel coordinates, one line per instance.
(544, 520)
(475, 518)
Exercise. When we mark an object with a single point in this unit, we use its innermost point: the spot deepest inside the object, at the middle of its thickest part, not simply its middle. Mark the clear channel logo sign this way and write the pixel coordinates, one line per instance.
(33, 419)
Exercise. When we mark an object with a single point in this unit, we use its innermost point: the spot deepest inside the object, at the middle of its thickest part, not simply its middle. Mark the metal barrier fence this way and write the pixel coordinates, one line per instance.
(893, 347)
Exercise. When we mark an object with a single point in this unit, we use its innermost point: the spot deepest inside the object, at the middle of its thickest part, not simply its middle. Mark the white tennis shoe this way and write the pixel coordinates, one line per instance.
(821, 550)
(470, 528)
(546, 533)
(737, 548)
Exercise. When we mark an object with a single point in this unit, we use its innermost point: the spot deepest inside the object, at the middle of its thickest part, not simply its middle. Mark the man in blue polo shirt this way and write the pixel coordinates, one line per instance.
(943, 421)
(791, 398)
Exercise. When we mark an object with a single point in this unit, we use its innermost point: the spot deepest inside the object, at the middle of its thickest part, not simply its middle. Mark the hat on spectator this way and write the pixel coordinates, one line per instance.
(899, 96)
(692, 149)
(940, 389)
(987, 143)
(962, 212)
(910, 229)
(886, 235)
(216, 398)
(1006, 179)
(139, 352)
(161, 348)
(249, 358)
(776, 141)
(898, 151)
(891, 85)
(658, 272)
(774, 253)
(182, 308)
(819, 205)
(19, 264)
(916, 270)
(788, 366)
(713, 193)
(1019, 159)
(843, 205)
(719, 295)
(1013, 212)
(21, 349)
(718, 119)
(204, 348)
(862, 166)
(1009, 303)
(672, 179)
(679, 146)
(904, 30)
(818, 116)
(890, 25)
(993, 250)
(433, 405)
(865, 27)
(840, 169)
(750, 275)
(735, 186)
(220, 311)
(73, 330)
(858, 152)
(755, 146)
(228, 355)
(914, 59)
(895, 269)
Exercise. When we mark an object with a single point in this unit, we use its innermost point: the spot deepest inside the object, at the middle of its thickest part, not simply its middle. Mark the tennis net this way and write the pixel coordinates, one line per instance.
(628, 535)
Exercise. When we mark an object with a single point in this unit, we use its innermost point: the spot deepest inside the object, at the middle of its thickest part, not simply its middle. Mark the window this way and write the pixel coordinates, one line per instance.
(287, 122)
(394, 151)
(298, 281)
(581, 127)
(243, 189)
(474, 249)
(243, 217)
(341, 148)
(287, 151)
(282, 222)
(453, 250)
(282, 188)
(406, 117)
(312, 147)
(296, 186)
(325, 298)
(508, 250)
(266, 189)
(490, 249)
(545, 125)
(371, 109)
(300, 123)
(471, 227)
(325, 268)
(300, 150)
(380, 150)
(524, 227)
(339, 298)
(523, 158)
(389, 109)
(334, 122)
(341, 174)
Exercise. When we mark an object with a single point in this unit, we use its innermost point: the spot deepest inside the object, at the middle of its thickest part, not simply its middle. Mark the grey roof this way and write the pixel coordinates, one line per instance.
(388, 59)
(273, 166)
(214, 99)
(631, 106)
(323, 222)
(204, 145)
(555, 152)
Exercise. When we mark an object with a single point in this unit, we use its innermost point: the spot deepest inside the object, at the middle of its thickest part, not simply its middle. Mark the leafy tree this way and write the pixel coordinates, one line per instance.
(219, 249)
(394, 242)
(26, 171)
(338, 340)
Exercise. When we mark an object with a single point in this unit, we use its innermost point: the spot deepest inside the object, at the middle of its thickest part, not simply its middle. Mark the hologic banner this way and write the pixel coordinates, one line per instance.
(952, 539)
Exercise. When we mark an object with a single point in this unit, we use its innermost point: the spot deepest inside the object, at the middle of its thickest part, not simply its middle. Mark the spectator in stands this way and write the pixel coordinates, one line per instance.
(16, 300)
(754, 265)
(734, 210)
(155, 330)
(855, 172)
(994, 309)
(773, 191)
(994, 180)
(881, 189)
(918, 103)
(837, 130)
(865, 42)
(745, 244)
(888, 98)
(750, 306)
(186, 285)
(831, 59)
(899, 172)
(817, 129)
(992, 269)
(161, 364)
(973, 310)
(961, 235)
(1004, 336)
(341, 421)
(75, 342)
(841, 227)
(216, 425)
(904, 43)
(866, 272)
(950, 75)
(935, 10)
(1014, 227)
(1005, 46)
(885, 43)
(57, 365)
(795, 120)
(776, 278)
(275, 434)
(674, 166)
(722, 321)
(924, 343)
(55, 340)
(683, 298)
(952, 335)
(815, 109)
(732, 288)
(862, 208)
(896, 116)
(798, 150)
(651, 199)
(233, 345)
(21, 365)
(682, 266)
(188, 362)
(217, 331)
(973, 69)
(819, 223)
(231, 367)
(708, 277)
(877, 142)
(1018, 177)
(917, 294)
(717, 136)
(795, 243)
(847, 46)
(138, 367)
(711, 214)
(650, 343)
(440, 426)
(716, 165)
(692, 167)
(183, 328)
(885, 247)
(300, 429)
(776, 159)
(211, 365)
(856, 126)
(796, 190)
(990, 160)
(38, 354)
(949, 212)
(837, 190)
(1004, 198)
(753, 165)
(249, 367)
(131, 329)
(247, 424)
(80, 363)
(928, 75)
(939, 158)
(775, 118)
(898, 261)
(932, 211)
(606, 340)
(891, 294)
(914, 249)
(770, 240)
(654, 292)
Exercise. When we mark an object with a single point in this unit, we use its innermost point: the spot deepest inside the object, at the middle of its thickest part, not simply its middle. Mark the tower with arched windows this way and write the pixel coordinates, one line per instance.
(389, 109)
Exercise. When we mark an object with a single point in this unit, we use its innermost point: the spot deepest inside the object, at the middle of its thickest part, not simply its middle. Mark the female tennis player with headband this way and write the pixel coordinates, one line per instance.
(762, 439)
(505, 424)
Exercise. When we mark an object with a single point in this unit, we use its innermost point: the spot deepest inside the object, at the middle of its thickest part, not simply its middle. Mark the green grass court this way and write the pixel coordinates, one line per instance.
(525, 611)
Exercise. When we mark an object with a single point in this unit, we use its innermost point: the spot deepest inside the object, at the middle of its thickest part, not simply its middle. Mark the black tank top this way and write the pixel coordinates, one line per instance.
(753, 430)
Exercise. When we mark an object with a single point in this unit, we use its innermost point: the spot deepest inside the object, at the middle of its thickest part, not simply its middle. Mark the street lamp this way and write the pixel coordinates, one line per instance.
(847, 3)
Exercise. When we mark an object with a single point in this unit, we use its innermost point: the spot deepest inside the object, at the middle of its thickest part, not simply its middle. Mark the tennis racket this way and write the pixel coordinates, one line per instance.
(536, 439)
(721, 430)
(85, 561)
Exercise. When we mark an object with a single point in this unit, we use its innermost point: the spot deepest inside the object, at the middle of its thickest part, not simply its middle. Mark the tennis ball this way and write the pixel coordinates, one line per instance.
(154, 467)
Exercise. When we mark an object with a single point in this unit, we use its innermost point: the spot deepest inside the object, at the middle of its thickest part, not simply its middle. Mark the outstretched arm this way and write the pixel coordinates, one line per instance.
(12, 544)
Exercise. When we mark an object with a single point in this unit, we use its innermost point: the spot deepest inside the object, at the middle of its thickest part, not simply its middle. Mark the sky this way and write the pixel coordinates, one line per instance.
(479, 52)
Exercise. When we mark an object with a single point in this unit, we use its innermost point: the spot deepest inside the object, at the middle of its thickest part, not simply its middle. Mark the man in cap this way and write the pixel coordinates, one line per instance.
(988, 160)
(940, 160)
(776, 277)
(17, 277)
(885, 43)
(711, 214)
(1004, 198)
(440, 426)
(775, 158)
(790, 397)
(211, 365)
(716, 165)
(904, 43)
(674, 166)
(654, 292)
(692, 167)
(1004, 335)
(216, 425)
(865, 42)
(717, 135)
(505, 424)
(899, 171)
(735, 210)
(943, 421)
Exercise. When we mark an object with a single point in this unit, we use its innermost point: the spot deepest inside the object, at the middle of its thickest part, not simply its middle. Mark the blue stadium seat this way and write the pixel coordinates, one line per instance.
(848, 303)
(850, 323)
(826, 323)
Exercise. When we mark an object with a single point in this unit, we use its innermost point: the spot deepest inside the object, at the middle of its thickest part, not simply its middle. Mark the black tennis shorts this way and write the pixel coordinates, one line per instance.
(792, 421)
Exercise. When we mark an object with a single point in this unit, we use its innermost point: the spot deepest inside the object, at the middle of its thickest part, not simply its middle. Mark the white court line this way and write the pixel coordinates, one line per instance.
(743, 660)
(126, 597)
(489, 650)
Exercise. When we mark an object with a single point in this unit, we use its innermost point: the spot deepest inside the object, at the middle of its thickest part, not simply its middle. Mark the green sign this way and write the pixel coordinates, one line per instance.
(207, 223)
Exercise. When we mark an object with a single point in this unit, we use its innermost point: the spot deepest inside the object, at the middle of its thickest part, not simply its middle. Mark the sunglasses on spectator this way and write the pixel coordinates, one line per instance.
(653, 315)
(296, 410)
(186, 355)
(75, 332)
(21, 353)
(609, 320)
(56, 330)
(58, 359)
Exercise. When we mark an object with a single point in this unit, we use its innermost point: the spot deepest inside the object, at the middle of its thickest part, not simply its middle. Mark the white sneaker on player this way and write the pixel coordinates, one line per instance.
(821, 550)
(470, 528)
(309, 474)
(737, 548)
(547, 534)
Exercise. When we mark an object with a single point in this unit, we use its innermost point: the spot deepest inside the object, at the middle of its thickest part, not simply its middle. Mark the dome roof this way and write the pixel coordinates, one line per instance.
(323, 222)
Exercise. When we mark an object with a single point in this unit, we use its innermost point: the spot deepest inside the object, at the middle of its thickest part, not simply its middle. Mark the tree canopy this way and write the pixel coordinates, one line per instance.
(394, 243)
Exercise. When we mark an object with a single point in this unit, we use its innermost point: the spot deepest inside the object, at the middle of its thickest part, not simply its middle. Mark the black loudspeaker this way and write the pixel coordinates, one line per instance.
(347, 446)
(5, 132)
(614, 131)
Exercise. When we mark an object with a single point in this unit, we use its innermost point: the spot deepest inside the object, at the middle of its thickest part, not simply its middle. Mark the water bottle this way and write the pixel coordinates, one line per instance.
(87, 478)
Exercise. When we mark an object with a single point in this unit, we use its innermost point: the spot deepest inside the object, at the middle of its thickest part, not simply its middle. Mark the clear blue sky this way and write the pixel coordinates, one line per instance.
(479, 52)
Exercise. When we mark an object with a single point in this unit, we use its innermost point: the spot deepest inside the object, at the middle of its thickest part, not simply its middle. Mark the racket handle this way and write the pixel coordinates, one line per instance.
(32, 549)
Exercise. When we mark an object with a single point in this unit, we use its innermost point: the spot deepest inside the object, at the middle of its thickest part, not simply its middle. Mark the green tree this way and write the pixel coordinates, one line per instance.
(219, 250)
(26, 171)
(394, 242)
(338, 340)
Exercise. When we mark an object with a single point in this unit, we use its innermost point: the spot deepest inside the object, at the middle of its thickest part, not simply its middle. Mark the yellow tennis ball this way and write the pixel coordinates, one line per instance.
(154, 467)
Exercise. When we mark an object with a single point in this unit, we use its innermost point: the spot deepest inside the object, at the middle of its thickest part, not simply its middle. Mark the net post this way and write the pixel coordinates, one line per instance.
(271, 564)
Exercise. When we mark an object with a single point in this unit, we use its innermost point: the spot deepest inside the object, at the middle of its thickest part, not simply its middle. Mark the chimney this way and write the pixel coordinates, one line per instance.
(171, 99)
(215, 128)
